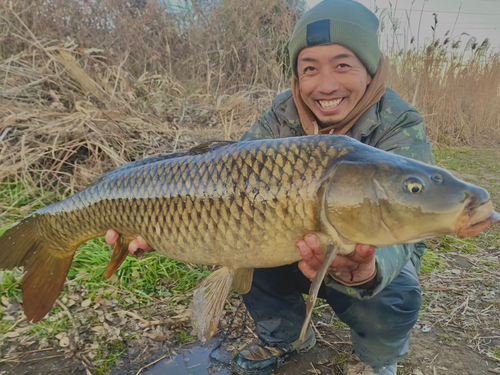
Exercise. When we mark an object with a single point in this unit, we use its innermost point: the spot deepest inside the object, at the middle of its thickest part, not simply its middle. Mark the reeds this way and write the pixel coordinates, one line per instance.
(457, 92)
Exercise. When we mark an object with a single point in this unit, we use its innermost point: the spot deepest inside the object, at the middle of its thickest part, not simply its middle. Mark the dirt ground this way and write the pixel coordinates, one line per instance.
(428, 353)
(455, 342)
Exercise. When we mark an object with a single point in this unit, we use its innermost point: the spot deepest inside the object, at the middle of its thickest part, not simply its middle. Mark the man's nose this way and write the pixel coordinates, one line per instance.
(328, 83)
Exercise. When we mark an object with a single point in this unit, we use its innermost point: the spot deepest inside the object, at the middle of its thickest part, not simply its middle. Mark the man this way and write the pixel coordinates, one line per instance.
(338, 87)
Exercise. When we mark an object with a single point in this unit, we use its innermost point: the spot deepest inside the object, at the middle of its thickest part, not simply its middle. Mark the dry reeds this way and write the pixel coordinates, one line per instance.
(458, 92)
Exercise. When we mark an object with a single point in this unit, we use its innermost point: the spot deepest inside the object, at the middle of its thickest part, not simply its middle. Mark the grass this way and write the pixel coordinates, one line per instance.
(182, 338)
(432, 261)
(108, 354)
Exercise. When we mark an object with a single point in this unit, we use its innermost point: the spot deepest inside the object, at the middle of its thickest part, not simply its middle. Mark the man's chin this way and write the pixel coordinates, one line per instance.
(328, 122)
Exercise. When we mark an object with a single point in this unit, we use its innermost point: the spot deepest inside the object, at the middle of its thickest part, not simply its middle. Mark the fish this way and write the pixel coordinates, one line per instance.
(243, 205)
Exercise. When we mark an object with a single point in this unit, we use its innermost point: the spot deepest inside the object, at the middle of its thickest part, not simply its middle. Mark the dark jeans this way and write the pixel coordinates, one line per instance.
(380, 326)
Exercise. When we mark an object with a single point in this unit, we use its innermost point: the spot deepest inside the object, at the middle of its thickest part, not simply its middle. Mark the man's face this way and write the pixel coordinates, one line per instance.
(332, 81)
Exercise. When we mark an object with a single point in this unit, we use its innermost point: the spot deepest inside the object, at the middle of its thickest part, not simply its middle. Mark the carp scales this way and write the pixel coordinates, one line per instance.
(244, 205)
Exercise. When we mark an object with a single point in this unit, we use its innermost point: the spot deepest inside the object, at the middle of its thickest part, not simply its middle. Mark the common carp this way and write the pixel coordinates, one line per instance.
(243, 205)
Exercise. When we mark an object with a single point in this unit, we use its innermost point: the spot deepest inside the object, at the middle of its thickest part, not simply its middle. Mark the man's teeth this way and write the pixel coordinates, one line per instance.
(330, 103)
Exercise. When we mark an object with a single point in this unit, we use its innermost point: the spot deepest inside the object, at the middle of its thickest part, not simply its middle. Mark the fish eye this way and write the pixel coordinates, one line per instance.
(437, 178)
(414, 185)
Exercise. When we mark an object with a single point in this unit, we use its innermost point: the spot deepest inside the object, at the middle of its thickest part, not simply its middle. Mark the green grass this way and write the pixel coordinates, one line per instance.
(109, 353)
(50, 328)
(341, 359)
(151, 274)
(182, 338)
(432, 261)
(19, 199)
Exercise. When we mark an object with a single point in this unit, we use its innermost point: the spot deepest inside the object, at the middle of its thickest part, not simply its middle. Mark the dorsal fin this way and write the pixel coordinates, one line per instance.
(202, 148)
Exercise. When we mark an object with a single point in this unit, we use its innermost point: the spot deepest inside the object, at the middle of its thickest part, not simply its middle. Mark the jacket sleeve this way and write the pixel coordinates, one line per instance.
(262, 129)
(406, 138)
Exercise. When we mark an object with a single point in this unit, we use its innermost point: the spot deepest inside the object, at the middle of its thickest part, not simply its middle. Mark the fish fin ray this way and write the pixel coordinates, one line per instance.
(203, 148)
(43, 281)
(46, 264)
(242, 281)
(120, 252)
(208, 302)
(333, 250)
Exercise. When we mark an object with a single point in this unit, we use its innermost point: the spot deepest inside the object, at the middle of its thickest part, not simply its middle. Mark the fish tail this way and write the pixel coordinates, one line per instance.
(46, 263)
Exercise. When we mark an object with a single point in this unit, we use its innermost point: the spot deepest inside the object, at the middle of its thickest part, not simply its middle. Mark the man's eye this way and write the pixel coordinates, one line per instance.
(309, 69)
(344, 66)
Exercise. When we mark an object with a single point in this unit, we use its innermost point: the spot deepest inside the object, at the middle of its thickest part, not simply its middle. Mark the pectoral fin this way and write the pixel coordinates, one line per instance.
(208, 302)
(314, 289)
(242, 281)
(120, 253)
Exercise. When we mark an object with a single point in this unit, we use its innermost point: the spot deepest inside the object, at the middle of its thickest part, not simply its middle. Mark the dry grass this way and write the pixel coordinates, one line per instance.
(458, 92)
(87, 86)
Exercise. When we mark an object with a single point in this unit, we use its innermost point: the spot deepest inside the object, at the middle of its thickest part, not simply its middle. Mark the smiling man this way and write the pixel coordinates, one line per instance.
(338, 87)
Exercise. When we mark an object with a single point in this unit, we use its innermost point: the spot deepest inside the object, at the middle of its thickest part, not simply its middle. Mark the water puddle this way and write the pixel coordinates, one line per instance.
(194, 360)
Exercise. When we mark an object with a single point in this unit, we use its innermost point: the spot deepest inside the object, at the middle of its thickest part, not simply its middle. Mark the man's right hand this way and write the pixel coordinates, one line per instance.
(137, 247)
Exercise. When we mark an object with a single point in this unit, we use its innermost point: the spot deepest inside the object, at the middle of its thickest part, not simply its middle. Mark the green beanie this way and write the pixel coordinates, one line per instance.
(343, 22)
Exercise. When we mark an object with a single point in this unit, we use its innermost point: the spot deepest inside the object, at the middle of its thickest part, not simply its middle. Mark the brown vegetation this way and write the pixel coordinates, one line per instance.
(87, 86)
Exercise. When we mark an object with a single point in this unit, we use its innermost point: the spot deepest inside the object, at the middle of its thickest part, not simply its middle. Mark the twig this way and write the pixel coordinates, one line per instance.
(86, 368)
(4, 134)
(17, 322)
(494, 370)
(44, 358)
(314, 369)
(141, 319)
(320, 336)
(152, 363)
(252, 332)
(65, 310)
(465, 303)
(15, 355)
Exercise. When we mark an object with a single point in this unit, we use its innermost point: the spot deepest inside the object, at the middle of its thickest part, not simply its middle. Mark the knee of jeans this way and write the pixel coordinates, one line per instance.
(399, 310)
(391, 313)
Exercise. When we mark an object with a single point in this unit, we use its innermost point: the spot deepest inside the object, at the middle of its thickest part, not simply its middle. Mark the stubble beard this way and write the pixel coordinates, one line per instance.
(327, 124)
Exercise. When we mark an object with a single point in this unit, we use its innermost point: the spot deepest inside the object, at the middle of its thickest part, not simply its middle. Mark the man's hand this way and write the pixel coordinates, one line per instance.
(355, 269)
(137, 247)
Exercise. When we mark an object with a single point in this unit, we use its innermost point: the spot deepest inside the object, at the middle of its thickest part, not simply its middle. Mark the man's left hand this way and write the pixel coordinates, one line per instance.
(354, 269)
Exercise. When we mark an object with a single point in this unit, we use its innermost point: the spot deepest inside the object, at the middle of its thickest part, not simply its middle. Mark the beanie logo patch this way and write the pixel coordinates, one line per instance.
(318, 32)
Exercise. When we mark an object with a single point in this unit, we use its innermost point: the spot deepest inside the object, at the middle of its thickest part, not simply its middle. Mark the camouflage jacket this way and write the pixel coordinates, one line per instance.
(392, 125)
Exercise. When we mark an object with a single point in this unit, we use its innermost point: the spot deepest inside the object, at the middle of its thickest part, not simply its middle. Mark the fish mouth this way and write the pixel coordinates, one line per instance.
(473, 221)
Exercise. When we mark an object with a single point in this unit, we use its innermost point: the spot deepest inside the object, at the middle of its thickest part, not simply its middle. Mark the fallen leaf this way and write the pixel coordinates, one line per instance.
(157, 335)
(100, 329)
(64, 342)
(5, 301)
(86, 303)
(11, 335)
